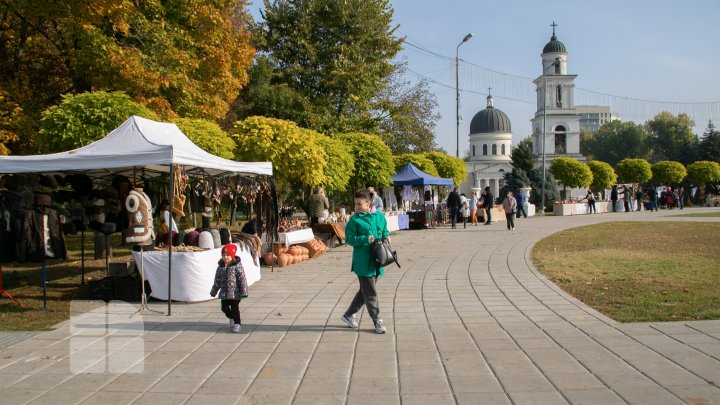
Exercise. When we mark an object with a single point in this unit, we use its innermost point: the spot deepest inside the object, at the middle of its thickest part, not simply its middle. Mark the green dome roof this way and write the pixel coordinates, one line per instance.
(554, 46)
(490, 120)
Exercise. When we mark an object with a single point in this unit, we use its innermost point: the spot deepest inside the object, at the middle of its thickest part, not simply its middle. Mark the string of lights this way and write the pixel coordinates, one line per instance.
(521, 89)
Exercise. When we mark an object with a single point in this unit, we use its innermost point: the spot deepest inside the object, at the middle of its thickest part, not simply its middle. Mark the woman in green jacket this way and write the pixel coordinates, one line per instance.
(361, 230)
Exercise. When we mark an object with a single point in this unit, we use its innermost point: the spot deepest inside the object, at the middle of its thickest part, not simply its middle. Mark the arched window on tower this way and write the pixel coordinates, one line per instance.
(494, 149)
(558, 101)
(560, 140)
(484, 150)
(557, 66)
(473, 150)
(502, 149)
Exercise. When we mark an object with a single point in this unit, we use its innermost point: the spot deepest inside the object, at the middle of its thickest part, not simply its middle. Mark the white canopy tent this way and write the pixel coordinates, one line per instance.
(138, 143)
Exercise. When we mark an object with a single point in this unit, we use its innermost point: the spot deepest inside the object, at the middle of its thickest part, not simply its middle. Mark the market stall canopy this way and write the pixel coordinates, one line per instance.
(412, 176)
(137, 143)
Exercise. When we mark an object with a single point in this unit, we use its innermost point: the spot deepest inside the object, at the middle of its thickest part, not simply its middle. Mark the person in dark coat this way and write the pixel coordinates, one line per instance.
(614, 197)
(453, 203)
(488, 203)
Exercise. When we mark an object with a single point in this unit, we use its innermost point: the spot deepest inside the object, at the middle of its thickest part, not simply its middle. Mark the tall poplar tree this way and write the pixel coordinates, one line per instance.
(337, 53)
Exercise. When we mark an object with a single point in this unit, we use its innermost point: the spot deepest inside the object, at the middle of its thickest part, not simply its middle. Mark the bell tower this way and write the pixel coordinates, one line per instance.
(556, 119)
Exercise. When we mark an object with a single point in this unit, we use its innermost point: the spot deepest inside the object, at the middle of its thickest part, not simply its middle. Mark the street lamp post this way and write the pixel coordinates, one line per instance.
(457, 94)
(545, 101)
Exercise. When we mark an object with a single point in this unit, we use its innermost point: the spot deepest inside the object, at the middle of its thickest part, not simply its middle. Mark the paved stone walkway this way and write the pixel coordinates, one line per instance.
(469, 321)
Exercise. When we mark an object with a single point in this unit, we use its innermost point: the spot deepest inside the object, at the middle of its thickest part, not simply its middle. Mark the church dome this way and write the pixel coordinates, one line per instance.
(490, 120)
(554, 46)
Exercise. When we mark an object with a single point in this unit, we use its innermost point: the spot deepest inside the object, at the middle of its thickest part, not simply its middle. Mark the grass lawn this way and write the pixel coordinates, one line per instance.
(638, 271)
(701, 214)
(24, 282)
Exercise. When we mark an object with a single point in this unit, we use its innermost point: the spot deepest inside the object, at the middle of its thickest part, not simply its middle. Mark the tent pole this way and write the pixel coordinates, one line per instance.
(169, 241)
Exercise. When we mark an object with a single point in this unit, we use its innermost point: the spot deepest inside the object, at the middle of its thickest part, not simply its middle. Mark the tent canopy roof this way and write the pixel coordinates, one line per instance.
(412, 176)
(138, 143)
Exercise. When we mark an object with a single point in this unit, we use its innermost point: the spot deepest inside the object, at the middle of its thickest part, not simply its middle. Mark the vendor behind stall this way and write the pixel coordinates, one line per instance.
(168, 225)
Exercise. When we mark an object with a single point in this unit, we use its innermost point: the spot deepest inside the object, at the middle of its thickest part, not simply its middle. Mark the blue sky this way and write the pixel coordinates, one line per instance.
(640, 49)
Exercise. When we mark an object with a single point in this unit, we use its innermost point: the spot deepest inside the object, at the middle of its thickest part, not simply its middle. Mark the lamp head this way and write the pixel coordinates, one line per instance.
(467, 37)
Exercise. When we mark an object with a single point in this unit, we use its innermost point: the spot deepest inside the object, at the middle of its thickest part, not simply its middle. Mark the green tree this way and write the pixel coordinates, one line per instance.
(85, 118)
(668, 172)
(603, 175)
(419, 161)
(273, 100)
(187, 57)
(515, 180)
(634, 170)
(710, 144)
(551, 193)
(617, 140)
(336, 53)
(208, 136)
(340, 162)
(673, 138)
(373, 160)
(571, 173)
(522, 155)
(448, 167)
(296, 157)
(407, 114)
(702, 172)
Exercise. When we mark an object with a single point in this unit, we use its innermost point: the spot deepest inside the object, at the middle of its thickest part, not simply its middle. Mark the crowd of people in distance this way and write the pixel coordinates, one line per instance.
(634, 201)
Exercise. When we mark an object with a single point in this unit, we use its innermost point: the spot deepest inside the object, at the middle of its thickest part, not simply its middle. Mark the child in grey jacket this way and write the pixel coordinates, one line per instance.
(230, 281)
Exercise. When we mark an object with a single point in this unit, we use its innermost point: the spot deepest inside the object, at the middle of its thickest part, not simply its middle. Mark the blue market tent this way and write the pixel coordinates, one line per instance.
(412, 176)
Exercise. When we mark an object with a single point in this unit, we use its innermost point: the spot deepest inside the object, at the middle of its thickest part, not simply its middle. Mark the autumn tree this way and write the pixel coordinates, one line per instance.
(336, 53)
(85, 118)
(603, 175)
(634, 170)
(419, 161)
(668, 172)
(673, 138)
(176, 56)
(448, 167)
(9, 112)
(617, 140)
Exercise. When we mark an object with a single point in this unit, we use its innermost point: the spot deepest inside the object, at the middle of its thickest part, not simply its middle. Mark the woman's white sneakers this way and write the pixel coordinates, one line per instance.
(379, 326)
(350, 321)
(236, 328)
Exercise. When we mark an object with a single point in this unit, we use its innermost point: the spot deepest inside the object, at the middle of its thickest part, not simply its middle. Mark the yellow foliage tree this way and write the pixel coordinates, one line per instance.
(419, 161)
(296, 157)
(340, 161)
(373, 160)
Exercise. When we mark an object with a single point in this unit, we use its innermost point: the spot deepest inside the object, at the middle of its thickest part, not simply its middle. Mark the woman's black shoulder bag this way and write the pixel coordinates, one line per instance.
(383, 253)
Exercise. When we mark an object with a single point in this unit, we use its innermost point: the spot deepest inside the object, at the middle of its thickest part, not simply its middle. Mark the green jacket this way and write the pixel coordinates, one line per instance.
(357, 230)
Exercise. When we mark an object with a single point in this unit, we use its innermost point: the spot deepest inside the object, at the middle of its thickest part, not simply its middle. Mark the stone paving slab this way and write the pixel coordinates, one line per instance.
(469, 321)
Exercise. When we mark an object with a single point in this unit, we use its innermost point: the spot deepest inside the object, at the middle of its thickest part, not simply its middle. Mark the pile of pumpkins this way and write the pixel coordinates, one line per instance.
(282, 256)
